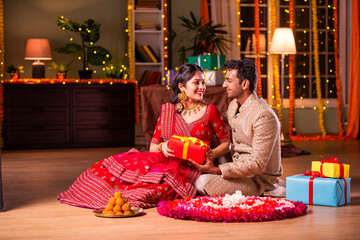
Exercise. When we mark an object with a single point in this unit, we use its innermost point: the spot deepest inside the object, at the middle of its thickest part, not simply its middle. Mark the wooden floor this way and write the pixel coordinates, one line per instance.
(33, 178)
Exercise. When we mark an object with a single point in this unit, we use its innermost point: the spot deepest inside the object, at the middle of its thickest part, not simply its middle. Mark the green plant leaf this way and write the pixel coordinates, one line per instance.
(67, 24)
(90, 31)
(97, 55)
(70, 48)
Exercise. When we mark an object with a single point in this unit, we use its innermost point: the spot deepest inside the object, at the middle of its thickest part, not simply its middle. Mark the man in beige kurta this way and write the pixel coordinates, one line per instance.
(256, 146)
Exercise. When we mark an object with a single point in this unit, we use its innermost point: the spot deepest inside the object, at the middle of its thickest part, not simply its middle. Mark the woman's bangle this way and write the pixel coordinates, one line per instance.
(160, 146)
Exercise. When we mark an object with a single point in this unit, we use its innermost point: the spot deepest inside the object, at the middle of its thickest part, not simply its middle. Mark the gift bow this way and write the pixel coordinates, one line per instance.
(187, 140)
(332, 160)
(314, 174)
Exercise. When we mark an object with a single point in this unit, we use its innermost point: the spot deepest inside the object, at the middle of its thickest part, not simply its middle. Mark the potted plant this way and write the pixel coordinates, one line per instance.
(208, 38)
(116, 71)
(14, 71)
(89, 33)
(60, 69)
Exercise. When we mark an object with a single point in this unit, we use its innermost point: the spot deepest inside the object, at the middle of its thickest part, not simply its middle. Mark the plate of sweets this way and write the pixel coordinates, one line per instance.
(118, 207)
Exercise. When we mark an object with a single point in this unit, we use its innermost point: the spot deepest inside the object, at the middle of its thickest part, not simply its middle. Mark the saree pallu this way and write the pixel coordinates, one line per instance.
(144, 178)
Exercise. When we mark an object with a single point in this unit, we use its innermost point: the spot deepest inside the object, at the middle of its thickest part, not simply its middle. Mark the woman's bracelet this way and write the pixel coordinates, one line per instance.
(160, 146)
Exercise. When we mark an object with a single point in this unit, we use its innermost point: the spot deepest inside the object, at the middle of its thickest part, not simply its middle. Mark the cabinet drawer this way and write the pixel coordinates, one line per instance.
(104, 96)
(37, 116)
(37, 136)
(103, 115)
(100, 134)
(37, 96)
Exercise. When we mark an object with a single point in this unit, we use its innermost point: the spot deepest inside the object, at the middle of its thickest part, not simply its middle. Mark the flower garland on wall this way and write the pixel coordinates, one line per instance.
(317, 67)
(257, 59)
(2, 68)
(318, 83)
(337, 69)
(291, 73)
(275, 62)
(130, 32)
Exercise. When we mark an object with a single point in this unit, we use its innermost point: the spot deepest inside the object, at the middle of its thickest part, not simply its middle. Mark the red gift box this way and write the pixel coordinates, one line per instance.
(188, 148)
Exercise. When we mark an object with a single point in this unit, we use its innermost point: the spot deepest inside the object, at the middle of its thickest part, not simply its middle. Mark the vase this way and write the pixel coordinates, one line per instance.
(85, 74)
(61, 76)
(15, 76)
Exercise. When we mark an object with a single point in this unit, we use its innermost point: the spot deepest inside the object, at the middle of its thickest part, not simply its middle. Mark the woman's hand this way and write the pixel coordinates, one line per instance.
(166, 150)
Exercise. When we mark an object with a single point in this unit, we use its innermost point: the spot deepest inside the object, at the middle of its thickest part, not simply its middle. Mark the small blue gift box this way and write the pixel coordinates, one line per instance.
(208, 62)
(321, 191)
(169, 75)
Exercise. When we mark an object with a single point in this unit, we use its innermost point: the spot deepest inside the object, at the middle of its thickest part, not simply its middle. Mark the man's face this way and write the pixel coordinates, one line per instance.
(232, 85)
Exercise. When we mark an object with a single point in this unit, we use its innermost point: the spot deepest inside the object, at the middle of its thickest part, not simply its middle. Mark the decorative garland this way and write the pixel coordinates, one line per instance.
(79, 81)
(165, 31)
(276, 63)
(317, 67)
(337, 69)
(131, 39)
(2, 67)
(291, 73)
(257, 35)
(231, 208)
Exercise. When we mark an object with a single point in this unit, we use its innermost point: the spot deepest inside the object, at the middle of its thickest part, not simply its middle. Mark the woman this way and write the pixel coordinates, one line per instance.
(145, 178)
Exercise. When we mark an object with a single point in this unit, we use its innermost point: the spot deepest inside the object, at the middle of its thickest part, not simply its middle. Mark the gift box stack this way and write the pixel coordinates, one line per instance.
(188, 148)
(210, 63)
(328, 184)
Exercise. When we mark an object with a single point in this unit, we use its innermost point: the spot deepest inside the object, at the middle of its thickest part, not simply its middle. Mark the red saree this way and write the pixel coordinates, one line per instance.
(145, 178)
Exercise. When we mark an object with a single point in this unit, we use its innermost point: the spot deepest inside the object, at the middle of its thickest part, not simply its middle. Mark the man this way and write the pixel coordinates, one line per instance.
(256, 154)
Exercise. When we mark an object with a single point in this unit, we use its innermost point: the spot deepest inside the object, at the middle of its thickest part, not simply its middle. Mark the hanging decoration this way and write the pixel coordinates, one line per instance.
(317, 67)
(130, 32)
(165, 34)
(238, 30)
(276, 62)
(257, 59)
(291, 73)
(337, 69)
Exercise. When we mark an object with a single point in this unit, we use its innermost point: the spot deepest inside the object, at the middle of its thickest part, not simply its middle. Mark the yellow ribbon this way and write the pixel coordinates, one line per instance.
(186, 141)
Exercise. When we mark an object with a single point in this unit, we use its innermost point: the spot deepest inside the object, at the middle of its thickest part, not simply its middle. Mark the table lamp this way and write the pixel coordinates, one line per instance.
(283, 42)
(38, 49)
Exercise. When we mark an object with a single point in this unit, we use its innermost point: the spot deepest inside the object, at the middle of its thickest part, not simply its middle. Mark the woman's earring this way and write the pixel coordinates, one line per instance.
(182, 96)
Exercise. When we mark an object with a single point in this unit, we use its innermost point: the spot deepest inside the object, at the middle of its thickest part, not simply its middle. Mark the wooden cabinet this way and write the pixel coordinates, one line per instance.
(70, 115)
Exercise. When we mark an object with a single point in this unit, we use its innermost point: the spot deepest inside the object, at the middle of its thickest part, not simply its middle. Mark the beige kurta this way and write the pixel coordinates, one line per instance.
(256, 165)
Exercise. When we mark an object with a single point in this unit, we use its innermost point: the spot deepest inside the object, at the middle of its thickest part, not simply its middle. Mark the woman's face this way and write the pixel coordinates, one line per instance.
(195, 87)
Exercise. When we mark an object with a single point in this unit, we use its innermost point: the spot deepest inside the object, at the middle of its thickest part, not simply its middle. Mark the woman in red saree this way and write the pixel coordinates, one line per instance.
(146, 178)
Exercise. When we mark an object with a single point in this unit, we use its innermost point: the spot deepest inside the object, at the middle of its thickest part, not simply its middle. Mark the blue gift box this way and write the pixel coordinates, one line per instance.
(208, 62)
(169, 75)
(326, 191)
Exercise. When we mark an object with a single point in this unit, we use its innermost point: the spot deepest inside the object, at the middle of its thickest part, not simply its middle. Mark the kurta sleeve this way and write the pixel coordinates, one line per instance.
(218, 125)
(265, 130)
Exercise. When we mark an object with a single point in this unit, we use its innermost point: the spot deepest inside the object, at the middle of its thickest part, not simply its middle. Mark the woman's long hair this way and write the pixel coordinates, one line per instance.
(184, 74)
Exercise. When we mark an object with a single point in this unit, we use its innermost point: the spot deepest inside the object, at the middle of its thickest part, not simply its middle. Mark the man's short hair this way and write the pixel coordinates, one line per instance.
(246, 70)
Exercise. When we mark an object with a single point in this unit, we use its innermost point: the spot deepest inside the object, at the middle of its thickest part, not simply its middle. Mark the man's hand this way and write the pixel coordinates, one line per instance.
(208, 167)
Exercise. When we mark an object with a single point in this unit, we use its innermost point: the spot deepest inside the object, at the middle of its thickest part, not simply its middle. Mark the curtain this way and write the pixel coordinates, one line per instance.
(204, 9)
(225, 12)
(352, 130)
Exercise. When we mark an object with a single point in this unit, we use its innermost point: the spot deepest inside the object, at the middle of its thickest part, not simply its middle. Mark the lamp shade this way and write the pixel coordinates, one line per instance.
(283, 41)
(37, 49)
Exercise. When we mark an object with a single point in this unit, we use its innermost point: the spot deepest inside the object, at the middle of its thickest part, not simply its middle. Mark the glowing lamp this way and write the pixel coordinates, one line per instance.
(38, 49)
(283, 42)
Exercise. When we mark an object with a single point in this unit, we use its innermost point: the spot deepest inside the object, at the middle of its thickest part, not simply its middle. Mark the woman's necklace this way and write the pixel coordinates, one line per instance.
(194, 109)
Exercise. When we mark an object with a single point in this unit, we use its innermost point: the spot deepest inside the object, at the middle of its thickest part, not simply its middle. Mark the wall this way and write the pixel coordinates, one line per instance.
(37, 19)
